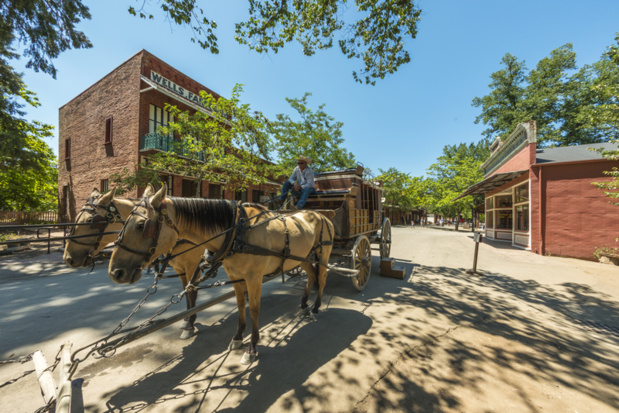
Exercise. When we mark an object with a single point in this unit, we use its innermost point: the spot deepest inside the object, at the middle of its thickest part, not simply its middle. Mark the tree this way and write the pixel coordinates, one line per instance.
(30, 183)
(561, 98)
(609, 114)
(228, 144)
(27, 164)
(315, 135)
(372, 31)
(500, 108)
(456, 169)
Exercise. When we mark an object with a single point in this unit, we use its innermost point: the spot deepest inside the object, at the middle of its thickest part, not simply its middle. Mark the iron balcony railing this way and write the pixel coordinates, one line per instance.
(169, 144)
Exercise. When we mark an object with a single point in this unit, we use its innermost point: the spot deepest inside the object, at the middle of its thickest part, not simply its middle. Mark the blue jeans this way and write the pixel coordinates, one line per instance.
(303, 194)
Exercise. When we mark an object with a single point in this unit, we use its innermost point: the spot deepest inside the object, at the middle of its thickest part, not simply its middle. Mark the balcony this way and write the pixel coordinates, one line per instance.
(165, 143)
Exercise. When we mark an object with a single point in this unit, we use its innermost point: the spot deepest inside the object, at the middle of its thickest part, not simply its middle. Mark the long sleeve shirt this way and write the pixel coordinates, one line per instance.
(304, 178)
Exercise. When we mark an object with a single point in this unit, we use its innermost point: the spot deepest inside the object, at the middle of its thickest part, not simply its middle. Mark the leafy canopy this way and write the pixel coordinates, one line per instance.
(28, 172)
(315, 134)
(567, 103)
(228, 144)
(609, 114)
(456, 169)
(371, 31)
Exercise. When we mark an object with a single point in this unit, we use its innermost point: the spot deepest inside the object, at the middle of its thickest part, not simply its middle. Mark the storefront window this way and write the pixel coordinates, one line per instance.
(522, 193)
(522, 218)
(504, 201)
(504, 219)
(158, 118)
(489, 203)
(490, 219)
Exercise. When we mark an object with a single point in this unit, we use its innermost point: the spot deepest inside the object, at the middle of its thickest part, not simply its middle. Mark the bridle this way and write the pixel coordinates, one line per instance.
(99, 222)
(152, 228)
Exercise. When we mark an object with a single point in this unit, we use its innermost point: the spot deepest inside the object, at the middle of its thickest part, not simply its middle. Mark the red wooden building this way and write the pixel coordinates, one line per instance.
(113, 125)
(543, 199)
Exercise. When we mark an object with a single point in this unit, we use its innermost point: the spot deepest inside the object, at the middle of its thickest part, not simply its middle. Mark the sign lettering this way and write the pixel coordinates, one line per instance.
(180, 91)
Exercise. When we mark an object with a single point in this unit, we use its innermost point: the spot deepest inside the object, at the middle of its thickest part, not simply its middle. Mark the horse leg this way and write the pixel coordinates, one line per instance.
(322, 281)
(188, 323)
(255, 290)
(239, 292)
(311, 277)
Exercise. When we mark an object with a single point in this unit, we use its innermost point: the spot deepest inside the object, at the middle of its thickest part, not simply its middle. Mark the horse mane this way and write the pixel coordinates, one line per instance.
(199, 214)
(255, 205)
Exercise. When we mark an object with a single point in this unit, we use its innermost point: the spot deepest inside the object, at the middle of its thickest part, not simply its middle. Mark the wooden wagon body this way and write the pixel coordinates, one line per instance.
(354, 205)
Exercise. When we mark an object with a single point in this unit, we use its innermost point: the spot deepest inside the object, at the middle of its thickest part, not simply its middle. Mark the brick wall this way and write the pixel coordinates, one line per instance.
(83, 119)
(578, 217)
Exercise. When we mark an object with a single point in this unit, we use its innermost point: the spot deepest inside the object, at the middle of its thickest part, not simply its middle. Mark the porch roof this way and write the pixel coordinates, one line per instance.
(490, 183)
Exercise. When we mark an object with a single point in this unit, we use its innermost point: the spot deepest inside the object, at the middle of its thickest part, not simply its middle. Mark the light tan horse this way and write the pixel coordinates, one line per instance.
(264, 237)
(104, 213)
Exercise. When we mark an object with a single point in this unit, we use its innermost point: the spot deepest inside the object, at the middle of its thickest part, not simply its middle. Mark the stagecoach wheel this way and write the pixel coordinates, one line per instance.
(385, 239)
(361, 260)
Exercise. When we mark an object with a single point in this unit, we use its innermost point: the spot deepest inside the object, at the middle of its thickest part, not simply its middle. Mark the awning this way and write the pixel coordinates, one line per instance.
(490, 183)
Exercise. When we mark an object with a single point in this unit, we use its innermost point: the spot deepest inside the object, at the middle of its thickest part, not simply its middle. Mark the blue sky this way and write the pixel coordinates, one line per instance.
(403, 122)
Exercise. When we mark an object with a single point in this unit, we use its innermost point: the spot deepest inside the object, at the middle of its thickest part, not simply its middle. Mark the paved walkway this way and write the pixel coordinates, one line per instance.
(532, 334)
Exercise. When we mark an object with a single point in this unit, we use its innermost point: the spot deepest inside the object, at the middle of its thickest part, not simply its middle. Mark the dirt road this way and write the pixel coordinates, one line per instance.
(533, 334)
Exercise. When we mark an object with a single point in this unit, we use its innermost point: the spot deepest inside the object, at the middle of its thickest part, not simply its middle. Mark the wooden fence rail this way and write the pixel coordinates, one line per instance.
(23, 217)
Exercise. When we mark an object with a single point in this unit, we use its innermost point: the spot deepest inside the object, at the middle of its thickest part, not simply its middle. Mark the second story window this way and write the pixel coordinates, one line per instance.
(158, 118)
(108, 130)
(67, 149)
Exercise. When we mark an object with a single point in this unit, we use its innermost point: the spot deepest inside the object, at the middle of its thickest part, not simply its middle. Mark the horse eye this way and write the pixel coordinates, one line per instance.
(141, 226)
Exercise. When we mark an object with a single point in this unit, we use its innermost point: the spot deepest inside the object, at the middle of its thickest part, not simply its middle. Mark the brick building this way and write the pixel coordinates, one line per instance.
(113, 125)
(543, 199)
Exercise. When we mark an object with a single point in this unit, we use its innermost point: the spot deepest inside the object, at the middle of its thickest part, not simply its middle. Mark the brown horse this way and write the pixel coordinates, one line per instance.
(105, 214)
(263, 243)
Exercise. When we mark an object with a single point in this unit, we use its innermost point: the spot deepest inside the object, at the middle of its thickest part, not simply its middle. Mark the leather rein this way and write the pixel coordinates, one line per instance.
(97, 222)
(149, 224)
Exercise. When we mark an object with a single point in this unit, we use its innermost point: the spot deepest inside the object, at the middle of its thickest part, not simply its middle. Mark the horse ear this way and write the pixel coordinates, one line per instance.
(107, 198)
(149, 190)
(159, 196)
(95, 193)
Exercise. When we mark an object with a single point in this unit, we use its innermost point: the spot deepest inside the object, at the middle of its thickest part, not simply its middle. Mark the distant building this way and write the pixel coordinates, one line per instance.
(113, 125)
(544, 199)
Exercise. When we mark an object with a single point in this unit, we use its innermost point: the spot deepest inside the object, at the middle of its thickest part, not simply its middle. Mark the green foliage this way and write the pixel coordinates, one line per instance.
(127, 180)
(228, 144)
(315, 135)
(29, 184)
(570, 105)
(400, 189)
(608, 114)
(607, 250)
(28, 174)
(456, 169)
(372, 31)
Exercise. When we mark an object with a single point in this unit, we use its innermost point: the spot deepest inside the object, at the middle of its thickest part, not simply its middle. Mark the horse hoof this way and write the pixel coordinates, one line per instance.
(248, 358)
(311, 316)
(235, 344)
(306, 311)
(188, 334)
(184, 324)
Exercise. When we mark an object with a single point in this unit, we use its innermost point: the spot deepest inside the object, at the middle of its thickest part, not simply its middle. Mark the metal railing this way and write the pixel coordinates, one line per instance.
(169, 144)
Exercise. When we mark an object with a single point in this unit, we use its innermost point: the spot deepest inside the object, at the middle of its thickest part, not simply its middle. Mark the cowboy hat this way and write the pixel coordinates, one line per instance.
(304, 159)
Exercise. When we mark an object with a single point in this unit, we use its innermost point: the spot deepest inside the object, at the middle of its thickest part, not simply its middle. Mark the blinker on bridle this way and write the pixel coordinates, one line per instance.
(151, 230)
(97, 221)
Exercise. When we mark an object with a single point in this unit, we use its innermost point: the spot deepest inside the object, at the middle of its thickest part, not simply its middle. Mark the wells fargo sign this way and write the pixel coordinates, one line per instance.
(180, 91)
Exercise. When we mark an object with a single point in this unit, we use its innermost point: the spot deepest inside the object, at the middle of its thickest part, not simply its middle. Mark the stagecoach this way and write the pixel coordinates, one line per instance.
(354, 206)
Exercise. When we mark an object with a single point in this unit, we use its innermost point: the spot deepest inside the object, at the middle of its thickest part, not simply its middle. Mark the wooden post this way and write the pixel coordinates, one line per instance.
(477, 238)
(46, 380)
(63, 401)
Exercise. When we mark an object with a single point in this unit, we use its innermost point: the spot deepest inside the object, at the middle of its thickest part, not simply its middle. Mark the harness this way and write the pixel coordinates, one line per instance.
(152, 229)
(97, 221)
(234, 242)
